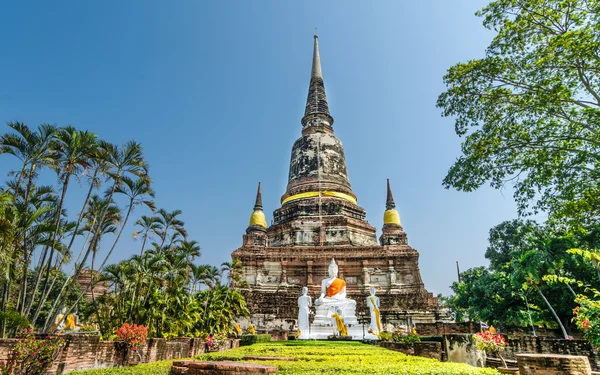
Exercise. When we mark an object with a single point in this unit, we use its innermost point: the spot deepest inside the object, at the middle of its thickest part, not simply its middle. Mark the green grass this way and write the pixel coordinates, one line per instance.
(154, 368)
(319, 357)
(328, 358)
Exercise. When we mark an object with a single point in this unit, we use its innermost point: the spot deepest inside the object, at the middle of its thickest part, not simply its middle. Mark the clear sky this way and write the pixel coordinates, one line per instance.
(215, 92)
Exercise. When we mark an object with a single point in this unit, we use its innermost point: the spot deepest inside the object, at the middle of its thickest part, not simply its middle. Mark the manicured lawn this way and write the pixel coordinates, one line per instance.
(322, 358)
(328, 358)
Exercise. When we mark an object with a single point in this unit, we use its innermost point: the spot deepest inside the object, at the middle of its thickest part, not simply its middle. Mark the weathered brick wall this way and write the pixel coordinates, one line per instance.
(555, 364)
(82, 352)
(439, 328)
(541, 345)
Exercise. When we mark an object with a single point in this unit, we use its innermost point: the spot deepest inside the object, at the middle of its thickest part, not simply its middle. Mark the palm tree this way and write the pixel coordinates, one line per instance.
(170, 222)
(126, 160)
(102, 218)
(148, 224)
(33, 148)
(234, 272)
(137, 191)
(72, 148)
(97, 163)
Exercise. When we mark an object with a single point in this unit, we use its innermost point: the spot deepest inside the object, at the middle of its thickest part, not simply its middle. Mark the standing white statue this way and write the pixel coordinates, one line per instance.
(304, 304)
(373, 303)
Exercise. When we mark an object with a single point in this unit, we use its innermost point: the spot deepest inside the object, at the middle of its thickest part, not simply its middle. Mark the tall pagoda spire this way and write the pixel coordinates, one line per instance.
(258, 203)
(389, 204)
(317, 110)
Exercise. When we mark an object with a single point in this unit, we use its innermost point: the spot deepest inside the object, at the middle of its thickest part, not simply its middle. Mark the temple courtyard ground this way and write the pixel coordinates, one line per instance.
(318, 357)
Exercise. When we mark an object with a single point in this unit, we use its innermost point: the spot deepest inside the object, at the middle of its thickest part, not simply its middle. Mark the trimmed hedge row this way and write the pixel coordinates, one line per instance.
(253, 339)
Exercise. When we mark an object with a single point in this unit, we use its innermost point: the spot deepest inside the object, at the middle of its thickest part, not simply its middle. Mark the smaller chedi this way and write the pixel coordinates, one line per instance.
(335, 312)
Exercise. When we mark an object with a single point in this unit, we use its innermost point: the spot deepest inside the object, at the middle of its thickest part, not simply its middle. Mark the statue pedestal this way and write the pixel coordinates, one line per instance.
(325, 311)
(322, 332)
(323, 325)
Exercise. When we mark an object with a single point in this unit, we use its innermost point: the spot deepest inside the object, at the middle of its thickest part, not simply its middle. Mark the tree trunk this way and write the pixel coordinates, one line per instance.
(23, 289)
(562, 327)
(144, 244)
(122, 227)
(56, 228)
(93, 244)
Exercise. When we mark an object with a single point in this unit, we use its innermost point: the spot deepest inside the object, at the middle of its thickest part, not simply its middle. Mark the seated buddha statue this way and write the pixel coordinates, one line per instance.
(333, 298)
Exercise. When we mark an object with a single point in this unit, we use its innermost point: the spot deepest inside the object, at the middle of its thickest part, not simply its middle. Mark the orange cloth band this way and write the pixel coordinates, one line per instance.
(336, 286)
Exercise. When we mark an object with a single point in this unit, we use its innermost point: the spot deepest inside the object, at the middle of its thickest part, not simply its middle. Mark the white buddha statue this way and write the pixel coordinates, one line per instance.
(333, 299)
(373, 304)
(304, 304)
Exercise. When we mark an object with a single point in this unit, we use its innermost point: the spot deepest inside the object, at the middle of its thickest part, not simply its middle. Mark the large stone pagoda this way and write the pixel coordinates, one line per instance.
(319, 219)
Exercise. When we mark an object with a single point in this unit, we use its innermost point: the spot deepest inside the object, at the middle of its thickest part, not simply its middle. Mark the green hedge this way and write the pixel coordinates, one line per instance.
(253, 339)
(343, 357)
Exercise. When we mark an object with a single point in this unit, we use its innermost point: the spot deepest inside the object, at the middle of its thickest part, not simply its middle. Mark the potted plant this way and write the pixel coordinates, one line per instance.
(493, 343)
(131, 336)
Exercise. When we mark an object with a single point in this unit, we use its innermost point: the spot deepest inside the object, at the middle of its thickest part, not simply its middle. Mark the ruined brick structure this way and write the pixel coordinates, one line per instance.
(320, 219)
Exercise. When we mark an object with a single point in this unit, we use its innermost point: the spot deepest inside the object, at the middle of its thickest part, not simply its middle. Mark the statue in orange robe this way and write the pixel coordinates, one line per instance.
(332, 288)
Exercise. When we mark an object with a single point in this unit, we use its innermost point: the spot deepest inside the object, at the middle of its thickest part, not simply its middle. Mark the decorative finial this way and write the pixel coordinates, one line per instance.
(389, 204)
(258, 204)
(316, 65)
(317, 109)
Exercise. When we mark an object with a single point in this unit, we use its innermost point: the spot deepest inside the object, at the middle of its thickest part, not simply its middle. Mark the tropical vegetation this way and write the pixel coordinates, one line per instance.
(45, 250)
(528, 113)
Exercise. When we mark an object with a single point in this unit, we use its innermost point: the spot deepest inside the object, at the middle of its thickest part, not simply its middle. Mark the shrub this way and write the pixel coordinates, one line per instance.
(132, 335)
(215, 342)
(385, 336)
(253, 339)
(587, 318)
(30, 356)
(406, 338)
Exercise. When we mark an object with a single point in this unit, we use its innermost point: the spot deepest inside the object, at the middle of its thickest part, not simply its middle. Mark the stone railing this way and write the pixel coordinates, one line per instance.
(82, 352)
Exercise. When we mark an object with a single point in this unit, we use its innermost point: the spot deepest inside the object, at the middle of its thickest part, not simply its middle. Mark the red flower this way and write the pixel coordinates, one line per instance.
(586, 324)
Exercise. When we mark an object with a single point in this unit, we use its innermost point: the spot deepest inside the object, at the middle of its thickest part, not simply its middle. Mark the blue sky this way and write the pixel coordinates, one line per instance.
(215, 92)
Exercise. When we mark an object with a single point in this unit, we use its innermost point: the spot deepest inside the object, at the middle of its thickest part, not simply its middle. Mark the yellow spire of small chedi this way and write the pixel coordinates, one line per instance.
(257, 219)
(391, 216)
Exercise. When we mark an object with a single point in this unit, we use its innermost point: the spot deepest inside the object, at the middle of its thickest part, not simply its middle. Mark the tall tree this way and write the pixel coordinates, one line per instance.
(172, 226)
(529, 109)
(73, 149)
(149, 225)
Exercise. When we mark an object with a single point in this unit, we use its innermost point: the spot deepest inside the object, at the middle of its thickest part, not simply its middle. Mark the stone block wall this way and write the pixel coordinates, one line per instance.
(439, 328)
(550, 345)
(555, 364)
(82, 352)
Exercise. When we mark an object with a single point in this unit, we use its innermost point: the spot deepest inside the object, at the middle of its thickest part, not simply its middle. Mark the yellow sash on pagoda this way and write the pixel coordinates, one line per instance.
(376, 311)
(324, 193)
(336, 286)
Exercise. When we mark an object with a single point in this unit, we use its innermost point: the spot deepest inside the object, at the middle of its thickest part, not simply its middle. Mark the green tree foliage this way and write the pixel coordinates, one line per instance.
(521, 255)
(161, 288)
(529, 108)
